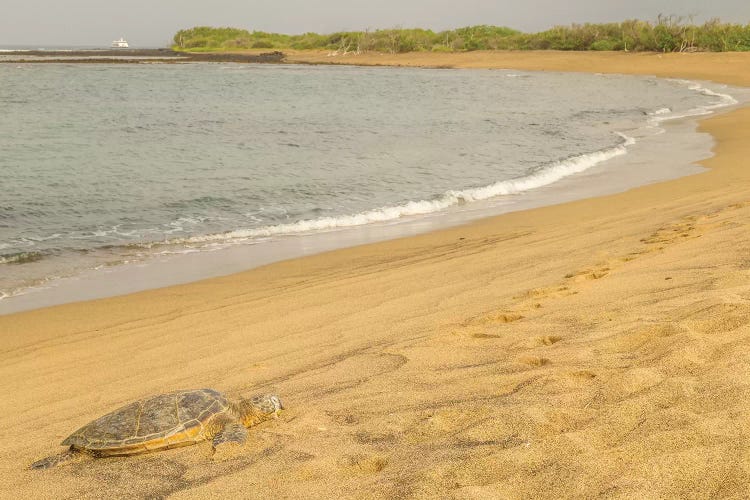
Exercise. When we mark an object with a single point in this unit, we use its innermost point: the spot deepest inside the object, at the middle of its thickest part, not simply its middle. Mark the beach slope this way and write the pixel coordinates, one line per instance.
(595, 348)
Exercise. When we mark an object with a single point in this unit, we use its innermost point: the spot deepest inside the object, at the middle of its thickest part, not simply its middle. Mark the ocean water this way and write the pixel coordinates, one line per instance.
(108, 165)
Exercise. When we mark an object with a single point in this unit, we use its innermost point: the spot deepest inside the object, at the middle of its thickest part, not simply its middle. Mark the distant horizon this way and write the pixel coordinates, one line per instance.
(143, 23)
(31, 46)
(39, 46)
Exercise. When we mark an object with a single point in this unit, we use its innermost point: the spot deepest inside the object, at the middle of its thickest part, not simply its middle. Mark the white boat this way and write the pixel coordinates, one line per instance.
(120, 44)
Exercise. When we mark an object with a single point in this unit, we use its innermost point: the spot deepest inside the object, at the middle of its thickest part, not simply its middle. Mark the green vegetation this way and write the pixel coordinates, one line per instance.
(667, 34)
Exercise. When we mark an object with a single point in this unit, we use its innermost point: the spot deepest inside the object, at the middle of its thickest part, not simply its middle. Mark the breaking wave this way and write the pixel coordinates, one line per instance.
(543, 177)
(21, 257)
(665, 114)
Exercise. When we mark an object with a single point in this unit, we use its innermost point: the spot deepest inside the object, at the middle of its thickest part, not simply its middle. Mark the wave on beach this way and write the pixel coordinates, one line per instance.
(21, 257)
(665, 114)
(199, 222)
(543, 177)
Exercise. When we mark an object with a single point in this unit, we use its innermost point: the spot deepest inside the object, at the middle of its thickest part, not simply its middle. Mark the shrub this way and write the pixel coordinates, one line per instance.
(196, 42)
(667, 34)
(441, 48)
(262, 44)
(604, 45)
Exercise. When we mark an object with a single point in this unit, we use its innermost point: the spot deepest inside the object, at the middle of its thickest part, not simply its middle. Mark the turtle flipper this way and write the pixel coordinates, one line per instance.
(52, 461)
(232, 432)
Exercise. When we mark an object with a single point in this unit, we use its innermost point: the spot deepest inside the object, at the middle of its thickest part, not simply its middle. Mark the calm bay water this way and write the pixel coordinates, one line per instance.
(105, 164)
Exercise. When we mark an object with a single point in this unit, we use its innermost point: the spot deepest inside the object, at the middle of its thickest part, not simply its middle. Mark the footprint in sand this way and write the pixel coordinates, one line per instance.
(583, 375)
(533, 360)
(588, 274)
(479, 335)
(494, 318)
(672, 233)
(344, 418)
(546, 293)
(549, 339)
(477, 332)
(505, 318)
(480, 327)
(361, 463)
(382, 437)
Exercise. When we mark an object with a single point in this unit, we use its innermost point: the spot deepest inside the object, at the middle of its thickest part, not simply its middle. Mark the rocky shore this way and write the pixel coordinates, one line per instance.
(134, 56)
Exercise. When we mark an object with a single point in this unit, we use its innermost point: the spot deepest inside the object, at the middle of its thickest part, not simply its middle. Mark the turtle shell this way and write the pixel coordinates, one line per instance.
(159, 422)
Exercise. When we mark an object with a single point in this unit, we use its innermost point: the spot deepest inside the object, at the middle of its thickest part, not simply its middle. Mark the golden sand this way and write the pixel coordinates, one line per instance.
(595, 348)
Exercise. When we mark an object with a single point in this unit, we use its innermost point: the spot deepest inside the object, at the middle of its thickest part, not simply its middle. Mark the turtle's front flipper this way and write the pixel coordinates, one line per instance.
(232, 432)
(54, 460)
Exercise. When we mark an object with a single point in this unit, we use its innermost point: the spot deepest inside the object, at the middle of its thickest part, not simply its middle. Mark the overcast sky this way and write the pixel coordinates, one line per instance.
(152, 23)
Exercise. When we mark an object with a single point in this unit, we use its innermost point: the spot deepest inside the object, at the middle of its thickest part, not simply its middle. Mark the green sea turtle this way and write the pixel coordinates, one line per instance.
(166, 421)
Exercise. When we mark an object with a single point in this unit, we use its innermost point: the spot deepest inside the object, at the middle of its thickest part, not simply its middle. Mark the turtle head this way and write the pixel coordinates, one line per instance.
(261, 407)
(270, 403)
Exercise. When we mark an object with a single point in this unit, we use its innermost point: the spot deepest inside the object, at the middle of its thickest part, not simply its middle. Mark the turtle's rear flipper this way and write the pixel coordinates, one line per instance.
(54, 460)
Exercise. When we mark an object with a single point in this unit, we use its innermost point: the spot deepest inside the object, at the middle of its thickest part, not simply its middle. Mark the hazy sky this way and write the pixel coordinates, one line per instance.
(152, 23)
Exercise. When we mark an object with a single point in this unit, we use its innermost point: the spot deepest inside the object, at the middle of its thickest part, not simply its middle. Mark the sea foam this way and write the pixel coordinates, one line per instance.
(665, 114)
(501, 137)
(547, 175)
(543, 177)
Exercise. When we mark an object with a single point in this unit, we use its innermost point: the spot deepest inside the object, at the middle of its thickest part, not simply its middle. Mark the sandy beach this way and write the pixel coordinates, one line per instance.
(597, 348)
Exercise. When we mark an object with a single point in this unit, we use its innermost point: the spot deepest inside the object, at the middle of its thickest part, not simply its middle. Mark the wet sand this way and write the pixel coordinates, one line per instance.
(595, 348)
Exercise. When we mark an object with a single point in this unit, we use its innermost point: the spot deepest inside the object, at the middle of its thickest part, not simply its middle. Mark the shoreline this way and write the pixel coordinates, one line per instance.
(591, 348)
(668, 65)
(615, 174)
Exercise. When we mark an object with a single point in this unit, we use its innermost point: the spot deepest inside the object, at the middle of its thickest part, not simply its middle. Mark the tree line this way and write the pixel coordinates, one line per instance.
(666, 34)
